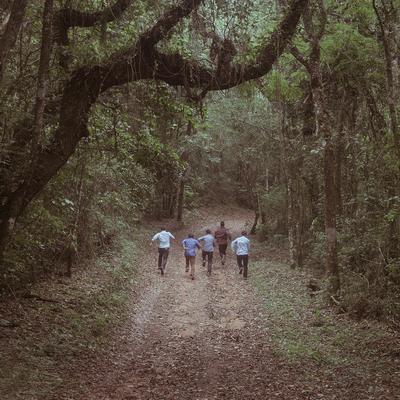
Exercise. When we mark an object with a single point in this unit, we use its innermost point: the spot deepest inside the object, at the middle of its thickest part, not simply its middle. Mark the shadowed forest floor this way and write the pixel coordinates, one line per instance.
(217, 337)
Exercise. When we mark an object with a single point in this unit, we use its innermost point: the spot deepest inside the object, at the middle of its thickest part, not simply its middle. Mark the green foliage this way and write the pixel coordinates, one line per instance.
(255, 144)
(280, 87)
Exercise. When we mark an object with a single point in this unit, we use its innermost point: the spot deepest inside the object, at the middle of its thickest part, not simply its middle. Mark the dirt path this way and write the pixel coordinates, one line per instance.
(208, 339)
(201, 339)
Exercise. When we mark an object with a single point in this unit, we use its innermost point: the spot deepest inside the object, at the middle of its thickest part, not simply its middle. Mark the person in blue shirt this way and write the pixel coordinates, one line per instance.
(241, 246)
(208, 250)
(190, 245)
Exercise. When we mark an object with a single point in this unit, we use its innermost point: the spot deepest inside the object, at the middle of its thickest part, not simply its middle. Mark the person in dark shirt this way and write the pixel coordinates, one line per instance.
(222, 236)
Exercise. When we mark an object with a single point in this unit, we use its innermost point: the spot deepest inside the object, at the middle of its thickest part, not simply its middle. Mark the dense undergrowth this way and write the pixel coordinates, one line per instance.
(66, 324)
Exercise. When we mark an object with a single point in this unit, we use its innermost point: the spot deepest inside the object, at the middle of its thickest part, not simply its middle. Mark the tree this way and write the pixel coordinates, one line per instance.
(82, 89)
(323, 126)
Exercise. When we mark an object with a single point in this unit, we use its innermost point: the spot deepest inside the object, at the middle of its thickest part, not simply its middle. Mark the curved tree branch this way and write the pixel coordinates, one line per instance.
(68, 18)
(300, 57)
(174, 70)
(142, 61)
(164, 25)
(89, 82)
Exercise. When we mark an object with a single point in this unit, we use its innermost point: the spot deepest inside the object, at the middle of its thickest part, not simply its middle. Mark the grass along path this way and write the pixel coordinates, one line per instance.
(344, 358)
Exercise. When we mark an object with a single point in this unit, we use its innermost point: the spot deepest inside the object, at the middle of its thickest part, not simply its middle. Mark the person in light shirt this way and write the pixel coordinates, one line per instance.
(164, 243)
(240, 247)
(207, 250)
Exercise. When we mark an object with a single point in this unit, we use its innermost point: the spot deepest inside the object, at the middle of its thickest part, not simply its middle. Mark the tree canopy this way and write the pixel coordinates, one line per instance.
(113, 111)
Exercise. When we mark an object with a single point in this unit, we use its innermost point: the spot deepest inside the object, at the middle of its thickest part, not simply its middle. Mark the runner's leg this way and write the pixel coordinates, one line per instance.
(222, 249)
(192, 266)
(203, 256)
(209, 261)
(160, 258)
(187, 263)
(239, 263)
(245, 264)
(165, 259)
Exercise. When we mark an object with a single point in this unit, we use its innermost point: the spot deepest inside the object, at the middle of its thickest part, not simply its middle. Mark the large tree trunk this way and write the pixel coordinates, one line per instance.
(339, 158)
(322, 129)
(255, 222)
(388, 19)
(291, 214)
(43, 75)
(74, 113)
(330, 217)
(330, 194)
(181, 197)
(9, 37)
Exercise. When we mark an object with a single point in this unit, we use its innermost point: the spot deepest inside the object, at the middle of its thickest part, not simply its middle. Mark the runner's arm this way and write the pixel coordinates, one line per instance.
(155, 237)
(171, 235)
(233, 245)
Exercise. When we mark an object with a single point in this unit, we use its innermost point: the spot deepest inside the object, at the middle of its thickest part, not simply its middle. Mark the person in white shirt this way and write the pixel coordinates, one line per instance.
(164, 243)
(241, 246)
(208, 249)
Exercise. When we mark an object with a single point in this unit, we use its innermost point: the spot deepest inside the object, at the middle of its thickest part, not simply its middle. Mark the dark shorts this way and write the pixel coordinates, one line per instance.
(162, 257)
(243, 261)
(222, 249)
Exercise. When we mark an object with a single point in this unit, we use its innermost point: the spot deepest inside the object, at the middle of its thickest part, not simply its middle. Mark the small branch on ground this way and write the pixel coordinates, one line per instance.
(36, 297)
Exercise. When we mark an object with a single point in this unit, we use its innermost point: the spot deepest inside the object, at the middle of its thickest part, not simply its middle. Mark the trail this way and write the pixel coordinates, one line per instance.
(205, 339)
(201, 339)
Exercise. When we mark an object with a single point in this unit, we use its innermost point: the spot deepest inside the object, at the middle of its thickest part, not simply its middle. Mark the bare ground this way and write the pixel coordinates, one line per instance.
(218, 338)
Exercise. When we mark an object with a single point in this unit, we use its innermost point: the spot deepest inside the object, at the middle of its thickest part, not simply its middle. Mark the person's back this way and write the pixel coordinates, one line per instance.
(190, 245)
(241, 247)
(164, 243)
(164, 239)
(208, 242)
(208, 249)
(221, 236)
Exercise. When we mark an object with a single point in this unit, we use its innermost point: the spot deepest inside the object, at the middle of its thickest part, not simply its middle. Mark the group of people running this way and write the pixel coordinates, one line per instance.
(207, 244)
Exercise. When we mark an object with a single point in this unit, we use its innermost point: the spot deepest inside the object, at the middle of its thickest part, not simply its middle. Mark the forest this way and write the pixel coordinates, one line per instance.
(120, 116)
